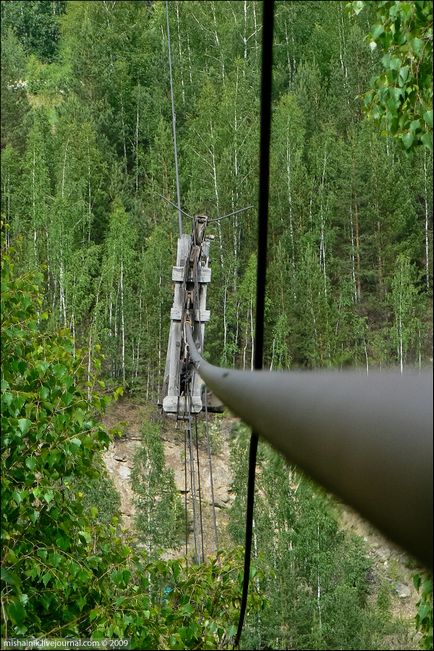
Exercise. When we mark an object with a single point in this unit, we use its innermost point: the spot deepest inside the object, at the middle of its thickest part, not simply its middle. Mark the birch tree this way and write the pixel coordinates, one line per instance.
(118, 273)
(404, 300)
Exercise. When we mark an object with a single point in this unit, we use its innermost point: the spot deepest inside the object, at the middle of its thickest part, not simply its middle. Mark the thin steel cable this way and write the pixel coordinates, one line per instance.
(208, 443)
(264, 178)
(185, 495)
(199, 488)
(185, 474)
(174, 205)
(172, 97)
(192, 483)
(229, 214)
(196, 308)
(196, 313)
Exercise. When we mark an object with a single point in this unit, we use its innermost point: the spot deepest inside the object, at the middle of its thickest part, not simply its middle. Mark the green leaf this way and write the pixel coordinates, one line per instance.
(408, 139)
(386, 60)
(427, 586)
(427, 116)
(416, 45)
(34, 515)
(31, 463)
(24, 425)
(63, 542)
(44, 392)
(16, 612)
(7, 399)
(376, 31)
(358, 6)
(17, 496)
(48, 496)
(394, 63)
(186, 610)
(46, 578)
(81, 602)
(86, 535)
(9, 577)
(427, 140)
(403, 74)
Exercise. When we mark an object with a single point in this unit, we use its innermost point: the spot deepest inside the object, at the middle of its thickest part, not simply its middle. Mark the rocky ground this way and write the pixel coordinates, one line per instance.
(390, 565)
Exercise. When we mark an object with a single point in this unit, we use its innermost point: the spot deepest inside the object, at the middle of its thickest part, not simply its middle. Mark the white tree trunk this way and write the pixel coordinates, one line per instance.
(426, 222)
(122, 322)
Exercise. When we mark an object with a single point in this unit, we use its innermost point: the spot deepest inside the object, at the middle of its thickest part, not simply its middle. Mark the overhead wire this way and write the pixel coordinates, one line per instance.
(229, 214)
(261, 274)
(174, 205)
(210, 219)
(172, 97)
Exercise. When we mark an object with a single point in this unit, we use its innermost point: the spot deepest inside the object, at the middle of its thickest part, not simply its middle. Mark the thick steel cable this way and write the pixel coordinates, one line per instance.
(264, 177)
(172, 97)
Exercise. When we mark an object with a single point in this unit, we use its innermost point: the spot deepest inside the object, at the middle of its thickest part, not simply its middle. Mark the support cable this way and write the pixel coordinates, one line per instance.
(174, 205)
(175, 149)
(229, 214)
(199, 488)
(192, 481)
(185, 495)
(264, 178)
(197, 318)
(208, 444)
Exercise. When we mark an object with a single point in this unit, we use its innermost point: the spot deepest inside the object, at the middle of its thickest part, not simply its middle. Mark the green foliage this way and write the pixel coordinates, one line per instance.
(36, 24)
(87, 149)
(95, 129)
(100, 496)
(401, 97)
(160, 520)
(14, 101)
(65, 570)
(424, 609)
(315, 575)
(404, 298)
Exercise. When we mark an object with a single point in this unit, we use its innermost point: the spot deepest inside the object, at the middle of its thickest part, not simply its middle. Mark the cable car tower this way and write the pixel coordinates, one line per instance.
(191, 276)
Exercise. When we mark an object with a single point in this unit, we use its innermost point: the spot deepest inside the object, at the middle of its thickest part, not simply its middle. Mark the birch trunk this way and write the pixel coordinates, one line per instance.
(122, 322)
(427, 238)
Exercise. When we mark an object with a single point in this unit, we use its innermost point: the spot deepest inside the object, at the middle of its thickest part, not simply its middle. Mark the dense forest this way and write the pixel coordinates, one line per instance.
(88, 246)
